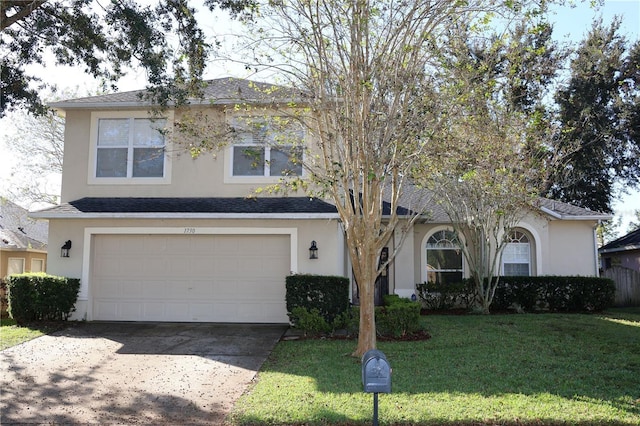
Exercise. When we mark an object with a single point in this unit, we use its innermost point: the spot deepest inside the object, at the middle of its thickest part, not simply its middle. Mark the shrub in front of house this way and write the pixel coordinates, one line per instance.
(529, 294)
(312, 323)
(4, 303)
(319, 305)
(524, 292)
(41, 297)
(398, 317)
(436, 297)
(570, 294)
(327, 296)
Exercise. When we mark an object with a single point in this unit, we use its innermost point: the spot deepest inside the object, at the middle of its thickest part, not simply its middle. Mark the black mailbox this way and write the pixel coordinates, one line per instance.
(376, 372)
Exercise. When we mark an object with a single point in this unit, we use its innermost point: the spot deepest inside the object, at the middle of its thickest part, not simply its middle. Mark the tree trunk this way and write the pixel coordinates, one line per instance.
(367, 328)
(366, 287)
(483, 294)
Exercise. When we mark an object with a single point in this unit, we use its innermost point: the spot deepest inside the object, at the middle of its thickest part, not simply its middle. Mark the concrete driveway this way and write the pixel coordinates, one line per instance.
(126, 373)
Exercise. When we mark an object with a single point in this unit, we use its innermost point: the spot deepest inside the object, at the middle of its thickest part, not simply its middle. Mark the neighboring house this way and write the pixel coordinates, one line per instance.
(23, 241)
(623, 252)
(159, 236)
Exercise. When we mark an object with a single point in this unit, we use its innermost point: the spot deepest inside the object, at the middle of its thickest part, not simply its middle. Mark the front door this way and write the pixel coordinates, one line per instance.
(381, 285)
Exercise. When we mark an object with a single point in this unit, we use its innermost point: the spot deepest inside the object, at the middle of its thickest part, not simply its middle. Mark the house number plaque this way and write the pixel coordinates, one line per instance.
(189, 230)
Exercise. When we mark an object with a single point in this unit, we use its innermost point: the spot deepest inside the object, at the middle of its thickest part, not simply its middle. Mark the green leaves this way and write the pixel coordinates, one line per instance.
(106, 38)
(598, 117)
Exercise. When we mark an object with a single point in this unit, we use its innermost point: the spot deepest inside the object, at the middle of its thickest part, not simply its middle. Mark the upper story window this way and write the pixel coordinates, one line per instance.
(128, 148)
(516, 257)
(266, 150)
(444, 258)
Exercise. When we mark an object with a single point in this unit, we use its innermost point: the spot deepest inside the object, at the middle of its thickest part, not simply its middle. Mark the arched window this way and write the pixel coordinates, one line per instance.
(444, 258)
(516, 257)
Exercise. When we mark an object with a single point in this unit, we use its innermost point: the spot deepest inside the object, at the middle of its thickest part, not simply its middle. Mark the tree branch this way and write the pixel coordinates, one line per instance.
(24, 9)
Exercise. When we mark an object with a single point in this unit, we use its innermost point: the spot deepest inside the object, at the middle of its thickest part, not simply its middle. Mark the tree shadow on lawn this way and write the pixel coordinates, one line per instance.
(592, 360)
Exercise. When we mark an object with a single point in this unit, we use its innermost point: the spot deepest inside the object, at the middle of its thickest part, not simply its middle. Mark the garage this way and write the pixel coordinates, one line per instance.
(190, 278)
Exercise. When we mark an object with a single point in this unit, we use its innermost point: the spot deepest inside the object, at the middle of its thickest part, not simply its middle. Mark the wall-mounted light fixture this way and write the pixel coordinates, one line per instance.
(64, 250)
(313, 250)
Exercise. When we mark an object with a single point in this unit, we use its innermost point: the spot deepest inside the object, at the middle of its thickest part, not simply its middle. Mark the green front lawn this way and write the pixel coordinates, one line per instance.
(12, 334)
(532, 369)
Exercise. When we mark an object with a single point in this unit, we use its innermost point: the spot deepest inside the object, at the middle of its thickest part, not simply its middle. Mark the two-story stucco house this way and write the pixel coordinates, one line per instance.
(160, 236)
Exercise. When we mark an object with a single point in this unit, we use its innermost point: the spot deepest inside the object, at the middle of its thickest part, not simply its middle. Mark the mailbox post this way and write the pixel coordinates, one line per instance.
(376, 377)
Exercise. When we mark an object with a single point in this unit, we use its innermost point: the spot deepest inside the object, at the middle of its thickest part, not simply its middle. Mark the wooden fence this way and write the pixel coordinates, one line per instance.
(627, 285)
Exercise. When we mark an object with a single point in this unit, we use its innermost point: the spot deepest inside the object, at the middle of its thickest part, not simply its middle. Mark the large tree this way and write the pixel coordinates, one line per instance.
(106, 38)
(366, 68)
(599, 120)
(484, 170)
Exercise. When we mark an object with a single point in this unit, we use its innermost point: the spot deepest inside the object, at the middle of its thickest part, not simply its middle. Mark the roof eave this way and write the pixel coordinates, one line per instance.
(560, 216)
(27, 249)
(172, 215)
(95, 105)
(64, 106)
(628, 247)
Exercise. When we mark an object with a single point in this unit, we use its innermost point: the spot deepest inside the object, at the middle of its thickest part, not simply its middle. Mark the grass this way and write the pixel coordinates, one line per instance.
(12, 334)
(531, 369)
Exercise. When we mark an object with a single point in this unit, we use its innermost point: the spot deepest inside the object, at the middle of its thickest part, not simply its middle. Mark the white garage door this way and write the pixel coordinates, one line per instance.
(200, 278)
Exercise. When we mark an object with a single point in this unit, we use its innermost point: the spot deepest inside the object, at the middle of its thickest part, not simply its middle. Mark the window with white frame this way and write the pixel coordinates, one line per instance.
(264, 149)
(37, 265)
(444, 258)
(130, 148)
(516, 257)
(15, 265)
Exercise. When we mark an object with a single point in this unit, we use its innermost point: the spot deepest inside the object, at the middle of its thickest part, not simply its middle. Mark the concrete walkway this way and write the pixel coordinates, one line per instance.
(126, 373)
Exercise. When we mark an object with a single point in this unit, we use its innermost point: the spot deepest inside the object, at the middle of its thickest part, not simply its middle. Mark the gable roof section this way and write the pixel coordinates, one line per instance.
(16, 241)
(566, 211)
(421, 199)
(628, 242)
(205, 208)
(18, 231)
(221, 91)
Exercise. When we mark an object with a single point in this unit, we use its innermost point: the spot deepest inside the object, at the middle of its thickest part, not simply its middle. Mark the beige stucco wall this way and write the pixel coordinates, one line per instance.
(571, 248)
(203, 176)
(26, 255)
(559, 248)
(402, 281)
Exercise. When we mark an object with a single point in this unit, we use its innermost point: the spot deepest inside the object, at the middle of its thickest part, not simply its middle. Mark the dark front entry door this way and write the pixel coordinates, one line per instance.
(381, 285)
(382, 282)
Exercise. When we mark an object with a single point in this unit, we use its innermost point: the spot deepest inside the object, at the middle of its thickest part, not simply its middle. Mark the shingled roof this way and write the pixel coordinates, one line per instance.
(420, 199)
(18, 231)
(255, 207)
(174, 207)
(221, 91)
(631, 241)
(561, 210)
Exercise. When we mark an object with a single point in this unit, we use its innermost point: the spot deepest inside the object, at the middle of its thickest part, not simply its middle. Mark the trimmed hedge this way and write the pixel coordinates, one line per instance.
(329, 295)
(41, 297)
(398, 318)
(319, 305)
(552, 293)
(445, 296)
